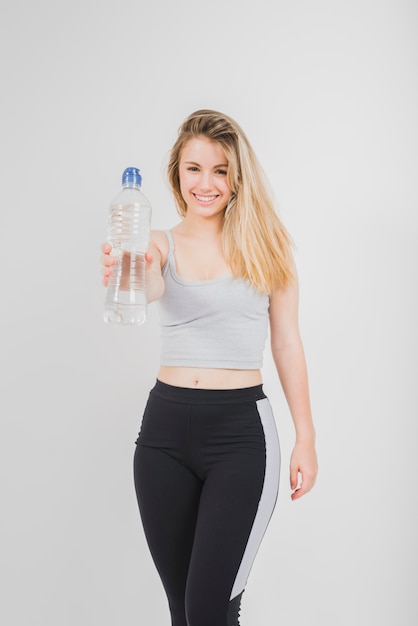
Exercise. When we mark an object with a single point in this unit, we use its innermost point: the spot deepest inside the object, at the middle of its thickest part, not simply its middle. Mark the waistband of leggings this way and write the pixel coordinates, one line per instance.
(208, 396)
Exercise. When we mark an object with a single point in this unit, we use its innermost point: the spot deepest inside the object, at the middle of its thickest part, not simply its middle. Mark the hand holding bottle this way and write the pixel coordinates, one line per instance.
(154, 284)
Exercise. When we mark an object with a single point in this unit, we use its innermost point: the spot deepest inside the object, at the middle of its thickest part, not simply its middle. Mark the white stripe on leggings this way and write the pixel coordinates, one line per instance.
(268, 496)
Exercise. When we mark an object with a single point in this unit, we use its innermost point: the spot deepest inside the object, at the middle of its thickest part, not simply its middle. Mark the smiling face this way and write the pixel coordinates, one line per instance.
(203, 174)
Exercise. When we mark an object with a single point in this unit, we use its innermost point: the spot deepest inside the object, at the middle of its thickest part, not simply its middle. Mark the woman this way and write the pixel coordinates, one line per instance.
(207, 459)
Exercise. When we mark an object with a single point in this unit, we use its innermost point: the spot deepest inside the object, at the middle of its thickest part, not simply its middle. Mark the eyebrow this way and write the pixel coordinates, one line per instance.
(215, 166)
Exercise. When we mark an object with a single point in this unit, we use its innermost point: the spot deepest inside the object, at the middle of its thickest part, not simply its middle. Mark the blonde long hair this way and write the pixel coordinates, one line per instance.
(256, 245)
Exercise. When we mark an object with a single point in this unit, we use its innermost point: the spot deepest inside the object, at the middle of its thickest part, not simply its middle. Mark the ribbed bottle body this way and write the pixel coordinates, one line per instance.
(128, 233)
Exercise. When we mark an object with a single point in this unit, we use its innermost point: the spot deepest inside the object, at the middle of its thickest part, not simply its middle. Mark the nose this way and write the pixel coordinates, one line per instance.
(205, 181)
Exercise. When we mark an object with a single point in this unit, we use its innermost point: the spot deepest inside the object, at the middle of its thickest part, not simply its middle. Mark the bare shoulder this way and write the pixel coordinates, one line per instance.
(159, 242)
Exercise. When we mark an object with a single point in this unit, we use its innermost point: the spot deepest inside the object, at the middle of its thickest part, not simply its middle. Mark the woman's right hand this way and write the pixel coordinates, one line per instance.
(153, 277)
(107, 261)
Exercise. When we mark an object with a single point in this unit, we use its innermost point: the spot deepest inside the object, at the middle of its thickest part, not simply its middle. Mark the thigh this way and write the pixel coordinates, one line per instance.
(227, 511)
(168, 497)
(236, 504)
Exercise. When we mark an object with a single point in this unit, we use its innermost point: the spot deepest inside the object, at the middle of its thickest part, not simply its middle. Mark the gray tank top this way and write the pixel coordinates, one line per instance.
(219, 323)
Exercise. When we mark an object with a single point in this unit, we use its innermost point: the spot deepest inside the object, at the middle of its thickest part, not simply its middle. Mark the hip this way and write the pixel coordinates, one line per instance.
(213, 421)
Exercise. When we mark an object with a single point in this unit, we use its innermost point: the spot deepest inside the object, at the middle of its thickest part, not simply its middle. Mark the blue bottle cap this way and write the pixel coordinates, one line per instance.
(131, 175)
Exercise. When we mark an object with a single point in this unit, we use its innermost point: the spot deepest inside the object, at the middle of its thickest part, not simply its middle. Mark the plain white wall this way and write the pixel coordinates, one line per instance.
(327, 93)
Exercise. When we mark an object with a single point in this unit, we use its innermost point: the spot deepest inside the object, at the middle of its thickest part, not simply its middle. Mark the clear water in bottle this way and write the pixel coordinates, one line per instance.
(128, 233)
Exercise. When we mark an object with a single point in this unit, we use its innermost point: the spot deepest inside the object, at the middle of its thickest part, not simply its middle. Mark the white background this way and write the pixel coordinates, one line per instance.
(327, 93)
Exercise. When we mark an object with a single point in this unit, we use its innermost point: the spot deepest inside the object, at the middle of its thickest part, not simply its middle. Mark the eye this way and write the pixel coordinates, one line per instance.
(192, 168)
(221, 172)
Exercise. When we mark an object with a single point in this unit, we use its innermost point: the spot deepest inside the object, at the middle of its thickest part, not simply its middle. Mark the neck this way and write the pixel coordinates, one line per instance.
(201, 226)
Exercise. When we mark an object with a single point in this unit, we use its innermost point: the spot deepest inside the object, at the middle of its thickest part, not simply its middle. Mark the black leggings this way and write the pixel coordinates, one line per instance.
(206, 471)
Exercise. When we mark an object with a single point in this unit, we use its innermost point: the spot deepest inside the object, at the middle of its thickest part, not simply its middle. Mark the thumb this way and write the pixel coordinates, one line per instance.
(149, 258)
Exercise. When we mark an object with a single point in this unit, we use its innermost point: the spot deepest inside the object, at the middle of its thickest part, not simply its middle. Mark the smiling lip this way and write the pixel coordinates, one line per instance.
(206, 199)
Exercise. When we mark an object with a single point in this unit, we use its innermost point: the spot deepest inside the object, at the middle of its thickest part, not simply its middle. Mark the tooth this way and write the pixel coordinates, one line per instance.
(205, 198)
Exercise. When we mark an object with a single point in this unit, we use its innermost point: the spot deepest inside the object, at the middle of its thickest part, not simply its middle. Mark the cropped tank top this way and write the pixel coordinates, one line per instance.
(218, 323)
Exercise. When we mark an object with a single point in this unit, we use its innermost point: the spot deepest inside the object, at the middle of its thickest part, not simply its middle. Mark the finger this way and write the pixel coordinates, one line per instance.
(106, 248)
(298, 493)
(149, 257)
(294, 477)
(304, 487)
(108, 260)
(106, 273)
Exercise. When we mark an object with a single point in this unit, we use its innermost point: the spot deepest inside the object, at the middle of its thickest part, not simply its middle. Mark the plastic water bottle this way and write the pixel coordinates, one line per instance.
(128, 233)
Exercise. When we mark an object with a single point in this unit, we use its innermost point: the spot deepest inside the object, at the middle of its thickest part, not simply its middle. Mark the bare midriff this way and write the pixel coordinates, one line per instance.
(208, 378)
